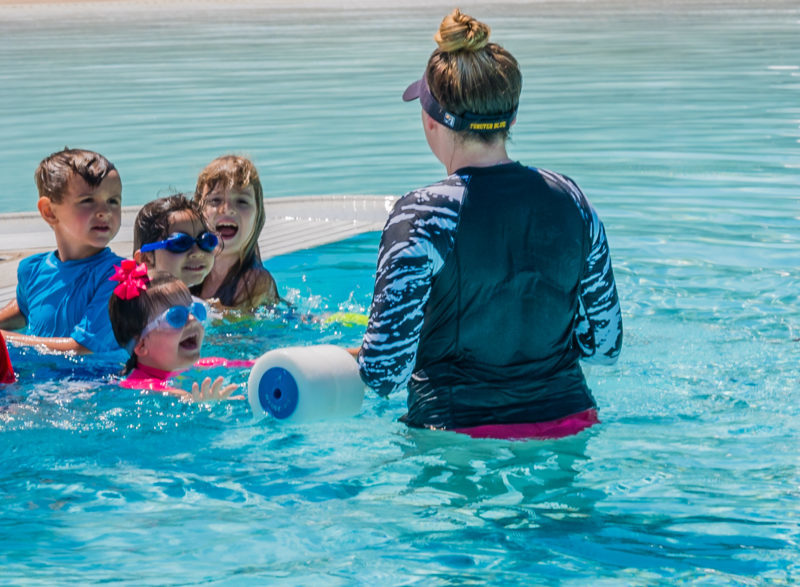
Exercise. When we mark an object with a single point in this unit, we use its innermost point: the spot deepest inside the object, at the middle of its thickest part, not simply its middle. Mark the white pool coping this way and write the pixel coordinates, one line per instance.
(292, 223)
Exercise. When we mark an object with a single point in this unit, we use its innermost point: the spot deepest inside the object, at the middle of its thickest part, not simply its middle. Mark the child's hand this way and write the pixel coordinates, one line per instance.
(212, 392)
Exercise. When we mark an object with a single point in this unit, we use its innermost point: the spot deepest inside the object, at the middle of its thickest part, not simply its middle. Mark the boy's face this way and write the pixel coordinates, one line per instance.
(232, 215)
(192, 266)
(87, 218)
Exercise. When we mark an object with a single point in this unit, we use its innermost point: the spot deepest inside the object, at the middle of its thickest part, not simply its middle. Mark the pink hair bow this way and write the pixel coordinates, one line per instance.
(132, 279)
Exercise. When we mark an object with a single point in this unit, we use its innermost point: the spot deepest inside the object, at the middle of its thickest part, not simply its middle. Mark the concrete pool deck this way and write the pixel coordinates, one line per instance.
(292, 224)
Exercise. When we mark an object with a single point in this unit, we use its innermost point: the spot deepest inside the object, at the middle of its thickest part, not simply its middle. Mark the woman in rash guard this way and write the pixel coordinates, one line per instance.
(495, 282)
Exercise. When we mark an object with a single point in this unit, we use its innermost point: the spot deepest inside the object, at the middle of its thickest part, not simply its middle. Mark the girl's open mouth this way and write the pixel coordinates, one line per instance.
(227, 230)
(190, 343)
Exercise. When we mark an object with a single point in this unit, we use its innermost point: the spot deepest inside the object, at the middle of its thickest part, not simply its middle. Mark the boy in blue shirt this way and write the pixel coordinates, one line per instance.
(62, 296)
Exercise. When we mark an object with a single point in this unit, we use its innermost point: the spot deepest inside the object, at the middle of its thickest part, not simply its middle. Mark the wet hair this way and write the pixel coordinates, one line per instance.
(153, 220)
(468, 74)
(55, 171)
(227, 173)
(129, 317)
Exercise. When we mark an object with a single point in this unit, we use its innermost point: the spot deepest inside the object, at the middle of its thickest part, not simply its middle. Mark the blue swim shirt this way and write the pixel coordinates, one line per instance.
(69, 298)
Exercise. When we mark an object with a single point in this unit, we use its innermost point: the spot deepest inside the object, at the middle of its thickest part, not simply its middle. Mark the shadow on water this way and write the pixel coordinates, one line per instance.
(513, 483)
(499, 511)
(486, 509)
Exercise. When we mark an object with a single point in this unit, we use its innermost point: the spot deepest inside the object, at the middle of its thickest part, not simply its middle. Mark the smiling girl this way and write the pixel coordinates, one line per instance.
(171, 234)
(162, 325)
(230, 195)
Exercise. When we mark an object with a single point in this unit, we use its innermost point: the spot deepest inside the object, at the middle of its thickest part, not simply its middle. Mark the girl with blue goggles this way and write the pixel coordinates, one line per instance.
(160, 305)
(165, 233)
(180, 242)
(176, 317)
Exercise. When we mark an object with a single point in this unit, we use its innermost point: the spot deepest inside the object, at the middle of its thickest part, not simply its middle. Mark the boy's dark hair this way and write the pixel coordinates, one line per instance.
(54, 172)
(129, 317)
(152, 221)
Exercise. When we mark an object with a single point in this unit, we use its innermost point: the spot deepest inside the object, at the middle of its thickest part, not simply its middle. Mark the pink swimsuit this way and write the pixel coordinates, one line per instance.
(144, 377)
(566, 426)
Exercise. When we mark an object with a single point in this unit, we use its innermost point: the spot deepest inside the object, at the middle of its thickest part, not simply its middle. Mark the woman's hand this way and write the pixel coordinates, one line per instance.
(212, 392)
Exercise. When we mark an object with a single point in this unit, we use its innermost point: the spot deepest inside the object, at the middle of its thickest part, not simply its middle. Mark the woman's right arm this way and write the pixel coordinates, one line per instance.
(402, 287)
(416, 239)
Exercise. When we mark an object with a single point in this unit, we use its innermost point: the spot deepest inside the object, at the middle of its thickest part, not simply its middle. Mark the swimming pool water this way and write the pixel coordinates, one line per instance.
(681, 123)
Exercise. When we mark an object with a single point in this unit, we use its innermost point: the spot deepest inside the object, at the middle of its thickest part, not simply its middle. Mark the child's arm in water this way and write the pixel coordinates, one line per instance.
(60, 344)
(206, 392)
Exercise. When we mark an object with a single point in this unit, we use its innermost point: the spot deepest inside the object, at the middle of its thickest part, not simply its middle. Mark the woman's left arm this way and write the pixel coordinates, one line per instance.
(598, 331)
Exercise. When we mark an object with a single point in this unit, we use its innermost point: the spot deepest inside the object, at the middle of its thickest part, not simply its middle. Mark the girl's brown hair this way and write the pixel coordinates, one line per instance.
(153, 220)
(468, 74)
(129, 317)
(227, 173)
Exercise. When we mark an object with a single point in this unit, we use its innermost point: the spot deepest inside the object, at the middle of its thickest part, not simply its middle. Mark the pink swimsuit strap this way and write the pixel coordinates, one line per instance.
(208, 362)
(144, 377)
(566, 426)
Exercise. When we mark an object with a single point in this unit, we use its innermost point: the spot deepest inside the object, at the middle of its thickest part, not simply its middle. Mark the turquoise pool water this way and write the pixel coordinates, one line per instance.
(683, 126)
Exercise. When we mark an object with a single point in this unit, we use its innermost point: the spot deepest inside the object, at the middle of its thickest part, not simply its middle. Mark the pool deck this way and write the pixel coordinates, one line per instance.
(292, 224)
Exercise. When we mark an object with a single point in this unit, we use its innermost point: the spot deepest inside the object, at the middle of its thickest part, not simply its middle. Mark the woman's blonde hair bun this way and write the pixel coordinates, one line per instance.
(461, 32)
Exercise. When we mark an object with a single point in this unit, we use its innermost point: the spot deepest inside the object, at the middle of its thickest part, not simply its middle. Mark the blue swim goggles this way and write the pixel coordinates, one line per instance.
(180, 242)
(177, 316)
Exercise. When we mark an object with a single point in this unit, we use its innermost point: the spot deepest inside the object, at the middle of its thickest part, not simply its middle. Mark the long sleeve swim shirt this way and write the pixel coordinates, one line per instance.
(492, 282)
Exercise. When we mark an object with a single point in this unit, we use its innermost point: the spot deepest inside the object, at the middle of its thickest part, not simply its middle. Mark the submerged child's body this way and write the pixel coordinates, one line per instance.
(230, 195)
(159, 321)
(62, 296)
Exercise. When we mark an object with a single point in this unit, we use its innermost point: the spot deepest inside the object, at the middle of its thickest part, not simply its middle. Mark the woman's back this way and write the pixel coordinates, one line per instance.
(507, 293)
(493, 283)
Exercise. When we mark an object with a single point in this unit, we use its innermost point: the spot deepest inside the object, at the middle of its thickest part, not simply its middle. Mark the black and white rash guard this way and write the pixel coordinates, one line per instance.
(491, 285)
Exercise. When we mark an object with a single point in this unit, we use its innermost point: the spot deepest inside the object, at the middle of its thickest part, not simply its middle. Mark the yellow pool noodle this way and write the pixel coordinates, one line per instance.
(347, 319)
